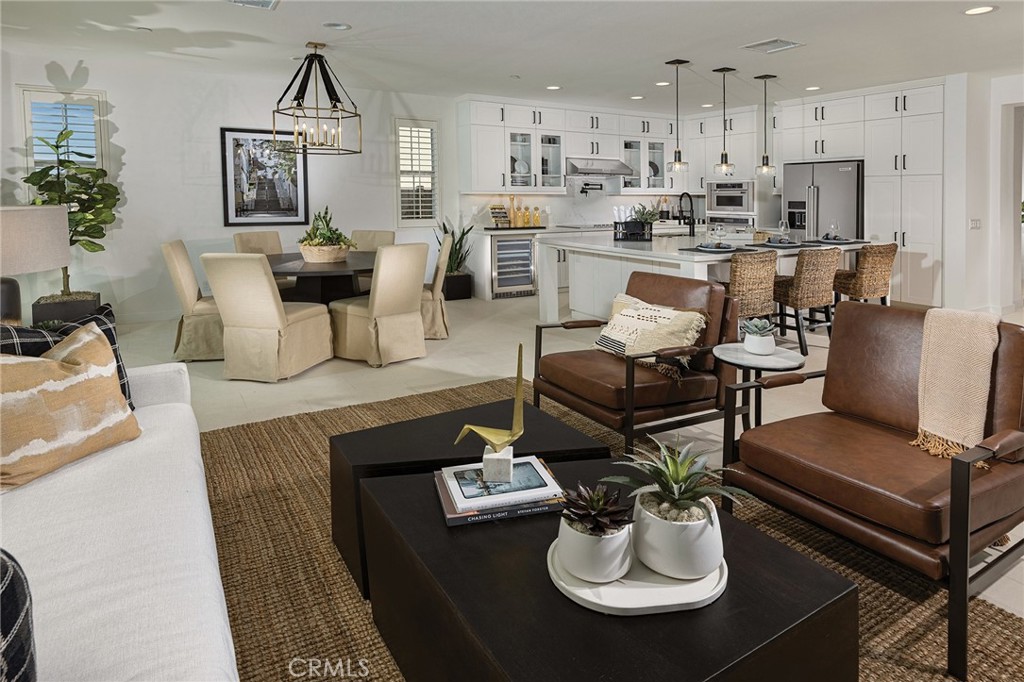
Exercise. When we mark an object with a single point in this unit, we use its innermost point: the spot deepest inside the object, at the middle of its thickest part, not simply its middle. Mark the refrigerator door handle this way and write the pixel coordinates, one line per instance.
(811, 229)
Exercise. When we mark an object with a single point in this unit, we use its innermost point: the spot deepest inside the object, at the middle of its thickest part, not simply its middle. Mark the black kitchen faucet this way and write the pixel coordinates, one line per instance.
(687, 217)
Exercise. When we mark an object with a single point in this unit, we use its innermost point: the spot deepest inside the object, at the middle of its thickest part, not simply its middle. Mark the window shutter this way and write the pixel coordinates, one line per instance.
(49, 118)
(417, 171)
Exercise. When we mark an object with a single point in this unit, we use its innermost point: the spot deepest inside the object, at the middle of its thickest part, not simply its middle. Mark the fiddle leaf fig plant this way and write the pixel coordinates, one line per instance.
(83, 189)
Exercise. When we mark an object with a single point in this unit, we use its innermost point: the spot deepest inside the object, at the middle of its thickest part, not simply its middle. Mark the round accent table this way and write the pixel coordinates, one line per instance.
(781, 360)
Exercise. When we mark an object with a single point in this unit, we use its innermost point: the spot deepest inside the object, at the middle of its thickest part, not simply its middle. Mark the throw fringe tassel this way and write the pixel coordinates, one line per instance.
(1002, 542)
(938, 446)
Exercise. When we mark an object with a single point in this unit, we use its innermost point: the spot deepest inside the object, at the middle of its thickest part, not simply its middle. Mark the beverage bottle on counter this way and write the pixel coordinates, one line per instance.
(536, 216)
(512, 210)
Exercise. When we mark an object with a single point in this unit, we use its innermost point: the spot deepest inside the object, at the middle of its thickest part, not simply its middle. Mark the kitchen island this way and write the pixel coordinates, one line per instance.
(599, 267)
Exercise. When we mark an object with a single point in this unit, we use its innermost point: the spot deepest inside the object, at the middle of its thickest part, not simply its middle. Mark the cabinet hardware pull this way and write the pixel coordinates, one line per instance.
(591, 147)
(896, 103)
(591, 122)
(815, 147)
(895, 236)
(815, 113)
(904, 162)
(671, 182)
(598, 147)
(702, 182)
(534, 179)
(904, 102)
(502, 116)
(534, 117)
(896, 162)
(823, 147)
(598, 119)
(702, 127)
(773, 123)
(502, 179)
(904, 242)
(540, 118)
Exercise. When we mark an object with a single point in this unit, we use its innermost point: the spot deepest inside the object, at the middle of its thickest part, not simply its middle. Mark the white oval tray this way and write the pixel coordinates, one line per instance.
(641, 591)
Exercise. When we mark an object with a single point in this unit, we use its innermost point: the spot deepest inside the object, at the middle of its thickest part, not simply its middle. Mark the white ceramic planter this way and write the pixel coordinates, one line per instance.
(759, 345)
(323, 254)
(596, 559)
(684, 550)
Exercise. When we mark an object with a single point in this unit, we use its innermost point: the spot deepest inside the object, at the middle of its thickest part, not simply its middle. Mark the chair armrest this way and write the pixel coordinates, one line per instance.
(776, 380)
(569, 324)
(1006, 445)
(683, 351)
(159, 384)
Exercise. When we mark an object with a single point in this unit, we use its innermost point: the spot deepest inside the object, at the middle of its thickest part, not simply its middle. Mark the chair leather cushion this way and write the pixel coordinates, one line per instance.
(601, 378)
(870, 470)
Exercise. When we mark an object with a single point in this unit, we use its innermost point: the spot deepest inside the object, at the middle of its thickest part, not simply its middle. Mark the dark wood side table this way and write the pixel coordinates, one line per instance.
(426, 445)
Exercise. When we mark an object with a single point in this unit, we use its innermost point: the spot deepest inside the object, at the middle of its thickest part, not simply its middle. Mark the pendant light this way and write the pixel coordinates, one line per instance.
(765, 168)
(724, 168)
(316, 127)
(677, 165)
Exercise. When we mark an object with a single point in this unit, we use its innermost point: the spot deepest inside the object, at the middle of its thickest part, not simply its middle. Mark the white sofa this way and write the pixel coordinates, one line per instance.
(119, 552)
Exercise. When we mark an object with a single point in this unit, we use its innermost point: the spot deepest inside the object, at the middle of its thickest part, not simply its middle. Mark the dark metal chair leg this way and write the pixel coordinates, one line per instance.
(959, 566)
(781, 314)
(885, 300)
(800, 335)
(628, 425)
(828, 321)
(745, 402)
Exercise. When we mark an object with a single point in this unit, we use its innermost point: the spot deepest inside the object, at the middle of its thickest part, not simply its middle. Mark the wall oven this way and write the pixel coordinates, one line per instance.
(730, 197)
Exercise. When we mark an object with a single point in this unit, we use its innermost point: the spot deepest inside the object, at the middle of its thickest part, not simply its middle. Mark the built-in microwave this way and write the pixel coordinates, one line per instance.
(730, 197)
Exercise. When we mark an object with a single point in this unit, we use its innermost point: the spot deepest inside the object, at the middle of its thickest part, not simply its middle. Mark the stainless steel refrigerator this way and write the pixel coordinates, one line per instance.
(816, 196)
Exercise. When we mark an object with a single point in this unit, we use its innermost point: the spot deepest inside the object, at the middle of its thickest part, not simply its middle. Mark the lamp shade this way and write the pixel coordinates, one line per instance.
(33, 239)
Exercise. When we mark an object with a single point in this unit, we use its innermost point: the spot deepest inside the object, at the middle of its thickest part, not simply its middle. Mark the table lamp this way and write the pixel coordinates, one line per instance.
(32, 239)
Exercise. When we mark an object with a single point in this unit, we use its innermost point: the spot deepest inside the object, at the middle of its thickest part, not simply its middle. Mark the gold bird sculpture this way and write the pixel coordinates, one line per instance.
(499, 439)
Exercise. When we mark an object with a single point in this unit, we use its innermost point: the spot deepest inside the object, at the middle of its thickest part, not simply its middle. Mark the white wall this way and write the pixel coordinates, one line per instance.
(1007, 93)
(165, 122)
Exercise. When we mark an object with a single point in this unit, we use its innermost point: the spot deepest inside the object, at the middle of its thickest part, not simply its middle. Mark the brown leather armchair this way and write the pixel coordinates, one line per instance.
(853, 471)
(622, 395)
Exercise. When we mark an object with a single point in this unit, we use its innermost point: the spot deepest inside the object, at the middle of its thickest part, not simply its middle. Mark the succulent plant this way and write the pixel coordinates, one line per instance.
(320, 232)
(599, 512)
(757, 326)
(676, 477)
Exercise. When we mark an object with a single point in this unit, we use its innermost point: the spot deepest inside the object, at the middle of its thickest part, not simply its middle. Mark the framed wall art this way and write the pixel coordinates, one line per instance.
(264, 182)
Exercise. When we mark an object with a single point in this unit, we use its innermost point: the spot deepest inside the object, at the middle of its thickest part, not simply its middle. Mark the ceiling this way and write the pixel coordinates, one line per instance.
(600, 52)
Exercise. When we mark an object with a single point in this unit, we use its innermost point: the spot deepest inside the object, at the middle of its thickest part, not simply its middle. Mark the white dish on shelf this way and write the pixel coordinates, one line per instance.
(522, 167)
(641, 591)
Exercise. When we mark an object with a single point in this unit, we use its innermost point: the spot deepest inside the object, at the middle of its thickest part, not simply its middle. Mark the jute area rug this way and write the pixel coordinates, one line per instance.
(293, 604)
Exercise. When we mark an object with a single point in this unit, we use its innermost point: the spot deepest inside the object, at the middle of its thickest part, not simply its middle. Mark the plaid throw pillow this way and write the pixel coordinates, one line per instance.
(35, 342)
(17, 646)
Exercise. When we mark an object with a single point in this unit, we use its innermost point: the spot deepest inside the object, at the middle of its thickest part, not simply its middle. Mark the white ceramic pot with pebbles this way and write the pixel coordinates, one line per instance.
(758, 337)
(594, 535)
(677, 532)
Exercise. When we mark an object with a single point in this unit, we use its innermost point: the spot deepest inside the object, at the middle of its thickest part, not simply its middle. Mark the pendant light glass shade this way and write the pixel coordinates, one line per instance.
(677, 165)
(724, 167)
(766, 168)
(317, 122)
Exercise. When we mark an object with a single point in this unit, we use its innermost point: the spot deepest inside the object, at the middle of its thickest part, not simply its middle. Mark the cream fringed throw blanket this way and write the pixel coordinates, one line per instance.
(956, 364)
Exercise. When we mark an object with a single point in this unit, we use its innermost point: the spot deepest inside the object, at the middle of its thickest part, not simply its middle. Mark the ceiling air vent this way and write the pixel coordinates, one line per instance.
(257, 4)
(773, 45)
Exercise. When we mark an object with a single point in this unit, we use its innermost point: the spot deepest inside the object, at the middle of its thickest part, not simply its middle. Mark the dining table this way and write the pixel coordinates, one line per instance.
(322, 282)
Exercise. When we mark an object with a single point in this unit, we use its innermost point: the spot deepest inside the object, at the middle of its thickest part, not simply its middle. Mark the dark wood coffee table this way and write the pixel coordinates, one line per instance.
(476, 603)
(426, 445)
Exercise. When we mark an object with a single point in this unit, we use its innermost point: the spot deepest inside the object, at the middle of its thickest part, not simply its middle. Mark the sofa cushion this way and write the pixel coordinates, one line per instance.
(871, 471)
(60, 407)
(601, 378)
(35, 342)
(17, 647)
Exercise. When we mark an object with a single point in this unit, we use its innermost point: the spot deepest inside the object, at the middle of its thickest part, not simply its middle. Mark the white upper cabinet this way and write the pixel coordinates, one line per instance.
(588, 121)
(910, 145)
(882, 147)
(897, 103)
(482, 113)
(518, 116)
(644, 125)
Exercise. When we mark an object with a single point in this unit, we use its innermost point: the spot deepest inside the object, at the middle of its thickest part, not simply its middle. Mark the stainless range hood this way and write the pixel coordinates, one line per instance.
(594, 166)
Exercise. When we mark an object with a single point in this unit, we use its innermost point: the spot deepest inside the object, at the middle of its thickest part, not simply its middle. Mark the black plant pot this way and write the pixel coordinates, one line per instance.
(458, 286)
(66, 310)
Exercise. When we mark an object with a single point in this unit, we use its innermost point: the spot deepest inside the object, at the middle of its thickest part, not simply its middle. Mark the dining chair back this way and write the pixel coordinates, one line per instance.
(808, 288)
(873, 275)
(752, 282)
(371, 240)
(267, 242)
(264, 338)
(200, 334)
(432, 306)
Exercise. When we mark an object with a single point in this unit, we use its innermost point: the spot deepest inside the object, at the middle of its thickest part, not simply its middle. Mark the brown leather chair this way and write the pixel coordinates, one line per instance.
(622, 395)
(853, 471)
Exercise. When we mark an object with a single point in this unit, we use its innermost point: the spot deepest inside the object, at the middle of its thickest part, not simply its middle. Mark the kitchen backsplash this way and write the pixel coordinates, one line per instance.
(565, 210)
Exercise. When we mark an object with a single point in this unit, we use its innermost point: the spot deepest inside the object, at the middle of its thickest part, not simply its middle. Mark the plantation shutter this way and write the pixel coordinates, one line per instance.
(417, 170)
(49, 118)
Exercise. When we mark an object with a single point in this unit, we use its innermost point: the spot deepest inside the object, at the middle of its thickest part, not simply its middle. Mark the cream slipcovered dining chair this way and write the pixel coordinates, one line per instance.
(267, 242)
(385, 326)
(432, 307)
(370, 240)
(200, 330)
(264, 339)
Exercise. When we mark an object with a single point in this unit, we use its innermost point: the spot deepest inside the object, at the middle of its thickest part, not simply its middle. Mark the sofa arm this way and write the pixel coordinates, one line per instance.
(158, 384)
(1006, 445)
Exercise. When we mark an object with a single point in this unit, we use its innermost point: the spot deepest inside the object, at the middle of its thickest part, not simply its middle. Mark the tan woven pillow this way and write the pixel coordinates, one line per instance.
(60, 407)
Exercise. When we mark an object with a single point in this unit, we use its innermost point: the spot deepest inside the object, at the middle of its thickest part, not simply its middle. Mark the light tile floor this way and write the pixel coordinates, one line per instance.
(481, 347)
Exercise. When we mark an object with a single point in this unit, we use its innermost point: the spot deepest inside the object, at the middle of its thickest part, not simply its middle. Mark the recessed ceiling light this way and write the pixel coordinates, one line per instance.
(636, 96)
(984, 9)
(812, 88)
(662, 84)
(706, 106)
(554, 87)
(337, 25)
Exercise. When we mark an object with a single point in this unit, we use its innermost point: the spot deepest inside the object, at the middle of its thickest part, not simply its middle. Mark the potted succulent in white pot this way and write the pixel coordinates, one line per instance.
(322, 243)
(758, 336)
(593, 536)
(677, 531)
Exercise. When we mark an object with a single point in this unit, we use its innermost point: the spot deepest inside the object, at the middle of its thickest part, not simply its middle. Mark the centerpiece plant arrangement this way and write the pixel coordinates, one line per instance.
(458, 284)
(758, 336)
(323, 243)
(647, 214)
(677, 531)
(593, 536)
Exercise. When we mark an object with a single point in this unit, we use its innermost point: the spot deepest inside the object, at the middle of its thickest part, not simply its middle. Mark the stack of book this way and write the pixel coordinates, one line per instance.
(467, 498)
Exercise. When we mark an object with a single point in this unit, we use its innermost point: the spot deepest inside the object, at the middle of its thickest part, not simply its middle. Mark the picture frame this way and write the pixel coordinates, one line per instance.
(263, 183)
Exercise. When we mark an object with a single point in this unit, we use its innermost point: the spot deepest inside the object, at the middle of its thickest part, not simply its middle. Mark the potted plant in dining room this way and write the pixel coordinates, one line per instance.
(758, 336)
(677, 532)
(322, 243)
(91, 202)
(593, 536)
(458, 284)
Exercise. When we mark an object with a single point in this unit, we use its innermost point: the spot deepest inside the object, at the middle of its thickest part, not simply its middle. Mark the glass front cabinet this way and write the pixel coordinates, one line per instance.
(535, 160)
(647, 159)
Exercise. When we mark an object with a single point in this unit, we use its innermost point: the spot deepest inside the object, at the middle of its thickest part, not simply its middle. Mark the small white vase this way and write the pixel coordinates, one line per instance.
(685, 550)
(594, 558)
(759, 345)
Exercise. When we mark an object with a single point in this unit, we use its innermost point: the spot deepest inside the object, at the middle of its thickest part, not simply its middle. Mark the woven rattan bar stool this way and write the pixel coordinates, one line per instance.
(809, 288)
(752, 282)
(872, 276)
